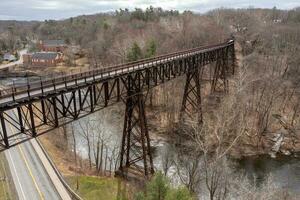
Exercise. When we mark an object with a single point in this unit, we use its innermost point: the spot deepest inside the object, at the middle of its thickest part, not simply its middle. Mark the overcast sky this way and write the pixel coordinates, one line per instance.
(60, 9)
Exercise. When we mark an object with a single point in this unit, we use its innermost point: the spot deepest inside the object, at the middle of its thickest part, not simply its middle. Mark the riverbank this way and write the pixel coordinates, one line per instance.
(274, 144)
(18, 74)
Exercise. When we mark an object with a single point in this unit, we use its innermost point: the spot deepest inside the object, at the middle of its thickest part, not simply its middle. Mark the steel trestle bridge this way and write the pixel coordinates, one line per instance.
(42, 106)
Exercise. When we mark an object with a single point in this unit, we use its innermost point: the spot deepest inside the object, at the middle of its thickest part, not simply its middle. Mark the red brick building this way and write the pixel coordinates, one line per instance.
(52, 45)
(43, 59)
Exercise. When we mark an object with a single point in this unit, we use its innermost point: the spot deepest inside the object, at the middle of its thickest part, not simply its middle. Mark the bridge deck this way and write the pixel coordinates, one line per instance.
(9, 97)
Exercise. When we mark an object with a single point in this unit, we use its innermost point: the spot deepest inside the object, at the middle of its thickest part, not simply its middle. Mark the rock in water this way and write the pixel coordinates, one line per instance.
(276, 147)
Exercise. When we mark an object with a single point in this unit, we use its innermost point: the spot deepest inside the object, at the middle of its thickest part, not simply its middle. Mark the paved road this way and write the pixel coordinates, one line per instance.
(20, 61)
(32, 174)
(29, 175)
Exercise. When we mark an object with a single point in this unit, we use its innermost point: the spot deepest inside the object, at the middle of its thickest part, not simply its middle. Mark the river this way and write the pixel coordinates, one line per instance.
(285, 170)
(17, 81)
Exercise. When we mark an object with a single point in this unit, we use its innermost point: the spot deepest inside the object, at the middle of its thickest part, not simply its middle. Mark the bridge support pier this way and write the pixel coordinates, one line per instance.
(135, 157)
(219, 82)
(191, 102)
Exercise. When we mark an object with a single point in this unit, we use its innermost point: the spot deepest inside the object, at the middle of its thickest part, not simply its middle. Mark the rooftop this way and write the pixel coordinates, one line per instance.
(44, 55)
(54, 42)
(9, 57)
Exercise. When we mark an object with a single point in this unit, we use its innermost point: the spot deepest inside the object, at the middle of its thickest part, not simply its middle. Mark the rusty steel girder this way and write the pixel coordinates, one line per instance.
(41, 107)
(135, 151)
(191, 102)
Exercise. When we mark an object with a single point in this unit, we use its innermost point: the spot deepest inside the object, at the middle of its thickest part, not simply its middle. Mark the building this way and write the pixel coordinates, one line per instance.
(52, 45)
(42, 59)
(26, 59)
(9, 57)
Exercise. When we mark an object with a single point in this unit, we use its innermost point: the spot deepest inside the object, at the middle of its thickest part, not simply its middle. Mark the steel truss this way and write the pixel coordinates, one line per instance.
(191, 102)
(135, 148)
(30, 117)
(223, 69)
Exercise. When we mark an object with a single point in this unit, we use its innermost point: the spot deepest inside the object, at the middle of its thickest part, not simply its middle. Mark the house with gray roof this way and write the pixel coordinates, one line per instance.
(9, 57)
(52, 45)
(44, 55)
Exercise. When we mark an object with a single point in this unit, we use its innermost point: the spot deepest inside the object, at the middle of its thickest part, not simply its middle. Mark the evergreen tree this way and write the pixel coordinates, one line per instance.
(159, 189)
(274, 13)
(151, 49)
(181, 193)
(135, 53)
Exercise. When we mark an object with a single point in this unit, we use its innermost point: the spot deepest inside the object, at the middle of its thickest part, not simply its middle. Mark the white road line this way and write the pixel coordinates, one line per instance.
(15, 170)
(18, 179)
(26, 163)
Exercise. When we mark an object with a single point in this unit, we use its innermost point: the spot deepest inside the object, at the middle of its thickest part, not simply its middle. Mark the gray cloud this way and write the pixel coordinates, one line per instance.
(58, 9)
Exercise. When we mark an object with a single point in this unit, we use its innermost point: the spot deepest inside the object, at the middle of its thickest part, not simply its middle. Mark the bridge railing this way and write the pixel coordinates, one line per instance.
(54, 82)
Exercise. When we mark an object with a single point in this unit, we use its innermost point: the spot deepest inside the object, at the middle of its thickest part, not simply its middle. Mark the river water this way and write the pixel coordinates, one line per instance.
(17, 81)
(285, 170)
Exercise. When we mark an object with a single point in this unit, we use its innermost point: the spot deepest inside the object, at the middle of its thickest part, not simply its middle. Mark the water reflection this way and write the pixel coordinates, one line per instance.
(285, 170)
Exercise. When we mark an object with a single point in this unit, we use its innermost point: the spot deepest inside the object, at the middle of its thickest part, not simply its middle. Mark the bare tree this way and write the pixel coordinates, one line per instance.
(75, 154)
(167, 160)
(189, 170)
(85, 131)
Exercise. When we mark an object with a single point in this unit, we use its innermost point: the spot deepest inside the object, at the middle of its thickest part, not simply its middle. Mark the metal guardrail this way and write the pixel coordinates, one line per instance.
(65, 184)
(111, 71)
